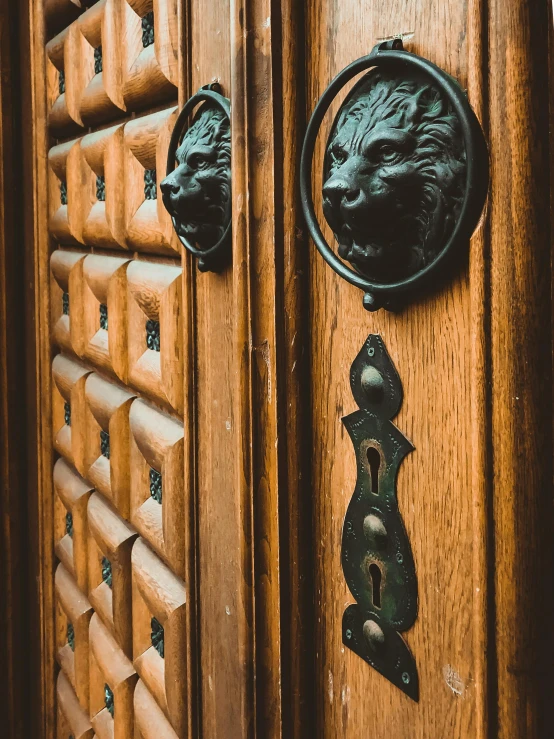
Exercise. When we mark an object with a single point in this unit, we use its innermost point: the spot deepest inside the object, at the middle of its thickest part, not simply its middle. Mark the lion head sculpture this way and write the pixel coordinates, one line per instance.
(394, 176)
(198, 192)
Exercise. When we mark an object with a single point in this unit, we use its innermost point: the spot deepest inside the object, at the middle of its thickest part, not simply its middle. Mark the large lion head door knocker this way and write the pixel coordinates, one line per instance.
(405, 175)
(197, 189)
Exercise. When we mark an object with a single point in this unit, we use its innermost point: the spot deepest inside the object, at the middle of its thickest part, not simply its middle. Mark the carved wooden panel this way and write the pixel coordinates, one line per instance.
(64, 116)
(148, 224)
(100, 61)
(117, 373)
(70, 532)
(151, 52)
(72, 630)
(104, 224)
(110, 543)
(159, 633)
(154, 331)
(72, 717)
(66, 292)
(109, 406)
(157, 491)
(112, 683)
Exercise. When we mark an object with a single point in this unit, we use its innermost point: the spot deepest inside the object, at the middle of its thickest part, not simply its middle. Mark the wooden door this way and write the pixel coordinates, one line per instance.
(189, 473)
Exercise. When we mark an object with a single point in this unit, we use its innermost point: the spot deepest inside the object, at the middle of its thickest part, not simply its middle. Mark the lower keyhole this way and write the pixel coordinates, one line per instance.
(375, 575)
(374, 460)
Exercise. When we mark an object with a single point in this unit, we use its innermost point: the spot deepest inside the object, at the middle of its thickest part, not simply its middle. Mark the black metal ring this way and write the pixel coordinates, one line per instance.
(208, 259)
(391, 55)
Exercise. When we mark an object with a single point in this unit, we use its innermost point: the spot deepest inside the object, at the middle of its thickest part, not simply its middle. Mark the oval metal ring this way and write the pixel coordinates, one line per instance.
(213, 258)
(391, 56)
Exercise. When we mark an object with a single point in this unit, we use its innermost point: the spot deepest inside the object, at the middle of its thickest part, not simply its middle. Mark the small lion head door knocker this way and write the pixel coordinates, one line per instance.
(405, 175)
(197, 189)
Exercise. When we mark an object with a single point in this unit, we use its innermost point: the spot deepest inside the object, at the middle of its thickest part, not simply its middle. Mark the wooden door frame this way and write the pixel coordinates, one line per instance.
(504, 307)
(15, 653)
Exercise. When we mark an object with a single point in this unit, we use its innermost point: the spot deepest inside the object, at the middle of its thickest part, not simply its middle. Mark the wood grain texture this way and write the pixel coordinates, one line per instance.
(521, 356)
(15, 657)
(41, 690)
(112, 538)
(74, 610)
(70, 712)
(109, 666)
(223, 448)
(157, 593)
(73, 492)
(431, 345)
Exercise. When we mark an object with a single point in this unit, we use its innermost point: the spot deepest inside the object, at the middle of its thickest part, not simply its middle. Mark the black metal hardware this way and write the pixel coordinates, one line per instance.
(109, 699)
(71, 636)
(100, 188)
(376, 556)
(405, 175)
(155, 485)
(63, 192)
(157, 636)
(61, 81)
(150, 190)
(69, 524)
(104, 443)
(107, 571)
(197, 193)
(153, 335)
(65, 303)
(104, 316)
(98, 60)
(147, 23)
(67, 413)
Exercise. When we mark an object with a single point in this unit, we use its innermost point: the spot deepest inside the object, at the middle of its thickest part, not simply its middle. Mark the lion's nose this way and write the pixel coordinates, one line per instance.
(338, 192)
(169, 186)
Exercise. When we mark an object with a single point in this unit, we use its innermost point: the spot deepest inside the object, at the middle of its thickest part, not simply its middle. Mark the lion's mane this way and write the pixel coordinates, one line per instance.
(417, 107)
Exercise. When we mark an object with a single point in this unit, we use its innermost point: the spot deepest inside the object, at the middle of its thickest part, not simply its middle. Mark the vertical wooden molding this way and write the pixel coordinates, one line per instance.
(267, 307)
(297, 610)
(521, 346)
(14, 656)
(189, 415)
(36, 249)
(479, 288)
(243, 369)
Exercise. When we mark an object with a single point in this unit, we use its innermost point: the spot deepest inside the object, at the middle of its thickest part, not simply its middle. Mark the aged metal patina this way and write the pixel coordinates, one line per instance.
(405, 175)
(376, 556)
(197, 193)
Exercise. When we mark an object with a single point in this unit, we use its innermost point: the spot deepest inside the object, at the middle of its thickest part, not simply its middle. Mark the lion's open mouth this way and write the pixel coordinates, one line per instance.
(369, 248)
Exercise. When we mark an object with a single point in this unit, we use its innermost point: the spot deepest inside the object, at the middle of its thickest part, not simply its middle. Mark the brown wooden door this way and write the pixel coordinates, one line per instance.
(189, 473)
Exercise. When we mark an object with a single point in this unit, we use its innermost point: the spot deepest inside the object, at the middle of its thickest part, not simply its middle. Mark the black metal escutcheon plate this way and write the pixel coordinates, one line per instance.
(376, 555)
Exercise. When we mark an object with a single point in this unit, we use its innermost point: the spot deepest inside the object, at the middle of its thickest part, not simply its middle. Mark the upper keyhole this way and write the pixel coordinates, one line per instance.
(374, 459)
(375, 575)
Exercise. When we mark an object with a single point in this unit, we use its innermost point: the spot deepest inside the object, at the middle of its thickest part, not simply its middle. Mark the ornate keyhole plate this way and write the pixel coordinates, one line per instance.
(376, 556)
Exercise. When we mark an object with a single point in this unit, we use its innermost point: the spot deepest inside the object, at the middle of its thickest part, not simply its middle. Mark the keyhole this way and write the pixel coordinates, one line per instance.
(374, 459)
(375, 575)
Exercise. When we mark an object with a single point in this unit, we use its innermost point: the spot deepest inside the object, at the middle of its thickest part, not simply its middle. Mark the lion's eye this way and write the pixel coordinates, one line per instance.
(197, 161)
(338, 155)
(388, 153)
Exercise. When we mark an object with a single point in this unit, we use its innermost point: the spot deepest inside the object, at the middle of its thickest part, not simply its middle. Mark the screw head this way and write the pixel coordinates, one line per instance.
(375, 531)
(373, 384)
(348, 633)
(374, 635)
(405, 678)
(399, 558)
(370, 302)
